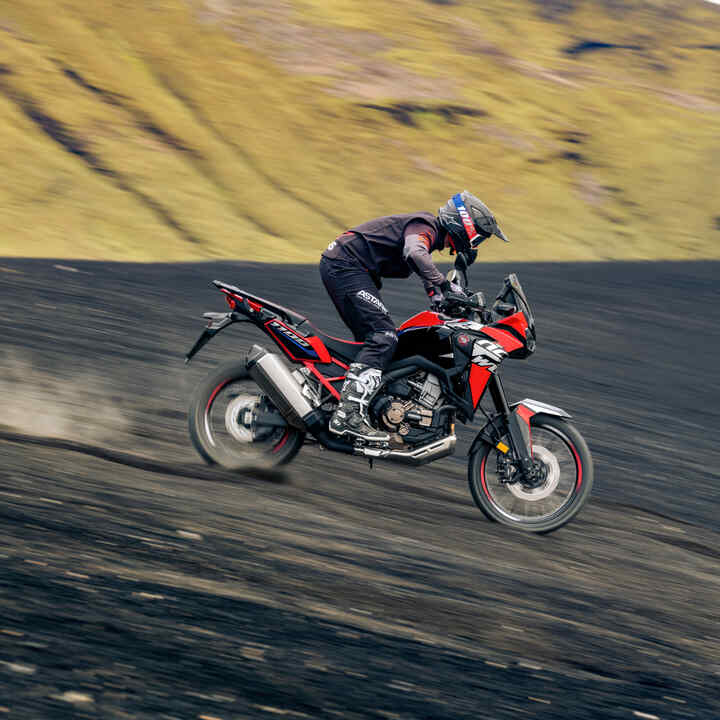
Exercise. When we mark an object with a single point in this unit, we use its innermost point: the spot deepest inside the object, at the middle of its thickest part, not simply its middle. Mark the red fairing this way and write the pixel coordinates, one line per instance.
(516, 321)
(479, 377)
(525, 413)
(509, 342)
(320, 349)
(424, 319)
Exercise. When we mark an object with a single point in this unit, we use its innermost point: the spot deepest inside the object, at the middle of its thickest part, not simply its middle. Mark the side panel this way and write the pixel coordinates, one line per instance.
(297, 347)
(479, 377)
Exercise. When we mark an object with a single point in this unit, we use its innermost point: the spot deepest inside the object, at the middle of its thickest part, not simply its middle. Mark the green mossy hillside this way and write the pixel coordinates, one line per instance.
(199, 129)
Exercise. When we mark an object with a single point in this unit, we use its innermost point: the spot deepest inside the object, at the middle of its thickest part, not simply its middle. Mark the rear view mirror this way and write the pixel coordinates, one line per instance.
(461, 266)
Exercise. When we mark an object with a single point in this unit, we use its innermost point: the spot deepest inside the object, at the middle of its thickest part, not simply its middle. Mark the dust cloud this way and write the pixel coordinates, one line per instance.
(72, 405)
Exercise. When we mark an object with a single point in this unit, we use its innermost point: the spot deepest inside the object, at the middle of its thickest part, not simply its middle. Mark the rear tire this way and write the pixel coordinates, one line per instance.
(238, 447)
(569, 479)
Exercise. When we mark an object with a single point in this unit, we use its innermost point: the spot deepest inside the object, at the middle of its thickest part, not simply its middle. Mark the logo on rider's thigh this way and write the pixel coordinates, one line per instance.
(370, 298)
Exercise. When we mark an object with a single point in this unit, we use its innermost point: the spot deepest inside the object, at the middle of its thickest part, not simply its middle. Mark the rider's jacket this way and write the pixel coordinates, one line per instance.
(393, 246)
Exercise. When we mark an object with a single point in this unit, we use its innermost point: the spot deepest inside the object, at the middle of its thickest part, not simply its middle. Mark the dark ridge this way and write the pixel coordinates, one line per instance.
(717, 222)
(109, 97)
(143, 120)
(403, 112)
(574, 157)
(247, 158)
(593, 45)
(162, 212)
(701, 47)
(146, 123)
(57, 131)
(60, 134)
(5, 69)
(573, 137)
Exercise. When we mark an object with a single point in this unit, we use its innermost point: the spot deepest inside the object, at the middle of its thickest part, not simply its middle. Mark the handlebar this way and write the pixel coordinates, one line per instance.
(455, 301)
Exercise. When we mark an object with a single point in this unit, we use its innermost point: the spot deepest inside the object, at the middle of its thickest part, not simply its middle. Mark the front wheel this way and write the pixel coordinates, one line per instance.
(566, 474)
(233, 424)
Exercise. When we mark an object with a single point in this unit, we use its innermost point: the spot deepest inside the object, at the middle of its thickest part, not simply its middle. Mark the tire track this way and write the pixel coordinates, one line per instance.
(197, 472)
(274, 475)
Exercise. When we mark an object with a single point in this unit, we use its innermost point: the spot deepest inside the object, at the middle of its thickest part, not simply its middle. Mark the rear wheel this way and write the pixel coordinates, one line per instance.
(233, 424)
(565, 479)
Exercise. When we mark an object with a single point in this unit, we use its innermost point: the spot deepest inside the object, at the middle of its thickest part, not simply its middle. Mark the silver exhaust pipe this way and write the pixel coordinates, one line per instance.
(276, 380)
(419, 456)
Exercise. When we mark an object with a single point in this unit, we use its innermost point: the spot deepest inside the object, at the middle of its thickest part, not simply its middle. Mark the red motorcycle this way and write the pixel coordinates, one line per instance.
(528, 467)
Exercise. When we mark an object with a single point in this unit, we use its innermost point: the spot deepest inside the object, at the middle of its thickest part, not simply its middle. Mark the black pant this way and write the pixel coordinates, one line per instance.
(361, 308)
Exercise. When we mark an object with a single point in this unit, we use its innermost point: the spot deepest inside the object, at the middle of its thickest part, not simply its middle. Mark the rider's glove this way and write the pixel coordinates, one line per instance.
(438, 294)
(453, 288)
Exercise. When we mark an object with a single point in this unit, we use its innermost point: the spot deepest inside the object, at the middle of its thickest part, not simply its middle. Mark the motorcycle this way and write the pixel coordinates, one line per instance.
(528, 467)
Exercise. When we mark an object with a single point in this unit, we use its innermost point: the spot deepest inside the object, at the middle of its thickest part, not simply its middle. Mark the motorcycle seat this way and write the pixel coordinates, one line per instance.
(344, 349)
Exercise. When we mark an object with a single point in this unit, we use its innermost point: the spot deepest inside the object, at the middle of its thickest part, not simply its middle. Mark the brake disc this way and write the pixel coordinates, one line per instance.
(239, 417)
(552, 477)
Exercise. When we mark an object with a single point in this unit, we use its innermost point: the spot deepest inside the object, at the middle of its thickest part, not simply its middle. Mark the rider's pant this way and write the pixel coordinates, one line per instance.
(361, 308)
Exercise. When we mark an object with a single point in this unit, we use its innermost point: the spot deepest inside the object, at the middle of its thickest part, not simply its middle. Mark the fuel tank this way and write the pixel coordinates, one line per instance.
(432, 342)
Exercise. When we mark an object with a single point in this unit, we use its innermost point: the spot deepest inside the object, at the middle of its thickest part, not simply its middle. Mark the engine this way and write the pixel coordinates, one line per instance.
(413, 410)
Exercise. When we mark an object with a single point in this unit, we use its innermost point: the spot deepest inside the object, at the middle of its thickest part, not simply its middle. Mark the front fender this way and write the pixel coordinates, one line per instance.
(536, 407)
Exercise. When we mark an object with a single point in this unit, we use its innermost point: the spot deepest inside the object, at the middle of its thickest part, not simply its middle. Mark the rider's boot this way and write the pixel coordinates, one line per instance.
(351, 415)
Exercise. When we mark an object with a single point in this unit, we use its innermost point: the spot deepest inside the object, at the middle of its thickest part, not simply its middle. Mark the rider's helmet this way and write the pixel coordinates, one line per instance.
(468, 222)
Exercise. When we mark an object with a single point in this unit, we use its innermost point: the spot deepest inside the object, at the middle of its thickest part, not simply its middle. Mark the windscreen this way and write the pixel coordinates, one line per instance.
(513, 294)
(521, 301)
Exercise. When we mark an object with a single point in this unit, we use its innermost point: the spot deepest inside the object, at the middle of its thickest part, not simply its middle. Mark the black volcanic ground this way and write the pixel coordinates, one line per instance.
(136, 582)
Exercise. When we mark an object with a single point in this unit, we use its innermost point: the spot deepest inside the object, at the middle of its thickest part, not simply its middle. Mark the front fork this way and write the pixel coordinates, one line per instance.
(518, 425)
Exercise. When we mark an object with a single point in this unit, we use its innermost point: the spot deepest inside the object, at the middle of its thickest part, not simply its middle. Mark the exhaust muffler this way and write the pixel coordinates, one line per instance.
(276, 380)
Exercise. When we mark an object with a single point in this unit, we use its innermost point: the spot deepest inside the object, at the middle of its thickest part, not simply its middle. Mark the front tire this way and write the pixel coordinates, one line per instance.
(223, 422)
(568, 470)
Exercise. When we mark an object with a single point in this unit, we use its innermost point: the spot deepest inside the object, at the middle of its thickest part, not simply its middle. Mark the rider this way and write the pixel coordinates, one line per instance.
(393, 246)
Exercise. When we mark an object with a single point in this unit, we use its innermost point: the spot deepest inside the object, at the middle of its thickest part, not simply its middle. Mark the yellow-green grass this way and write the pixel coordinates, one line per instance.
(199, 129)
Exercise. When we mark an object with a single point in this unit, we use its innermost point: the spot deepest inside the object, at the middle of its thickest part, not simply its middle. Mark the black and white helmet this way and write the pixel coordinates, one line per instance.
(468, 222)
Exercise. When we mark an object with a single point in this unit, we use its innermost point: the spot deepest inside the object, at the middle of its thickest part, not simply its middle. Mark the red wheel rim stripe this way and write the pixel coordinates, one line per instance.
(282, 442)
(578, 465)
(214, 393)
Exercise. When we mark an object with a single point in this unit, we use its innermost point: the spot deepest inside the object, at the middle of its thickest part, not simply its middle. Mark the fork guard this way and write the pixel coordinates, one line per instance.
(520, 415)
